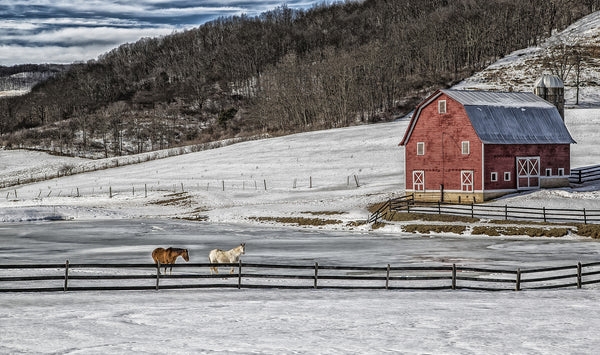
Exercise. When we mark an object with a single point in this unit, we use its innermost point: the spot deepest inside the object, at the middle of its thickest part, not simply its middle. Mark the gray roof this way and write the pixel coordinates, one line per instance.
(512, 117)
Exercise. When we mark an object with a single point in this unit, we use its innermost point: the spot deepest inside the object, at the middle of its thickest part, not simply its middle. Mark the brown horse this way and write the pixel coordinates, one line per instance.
(168, 256)
(221, 256)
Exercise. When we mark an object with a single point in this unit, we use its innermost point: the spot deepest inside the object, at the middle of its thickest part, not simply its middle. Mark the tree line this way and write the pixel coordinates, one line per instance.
(280, 72)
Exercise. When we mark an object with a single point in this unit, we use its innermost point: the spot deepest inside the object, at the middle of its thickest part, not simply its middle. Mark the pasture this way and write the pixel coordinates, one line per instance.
(285, 321)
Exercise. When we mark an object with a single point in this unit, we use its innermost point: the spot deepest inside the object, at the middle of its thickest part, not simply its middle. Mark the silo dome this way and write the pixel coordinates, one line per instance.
(552, 89)
(549, 81)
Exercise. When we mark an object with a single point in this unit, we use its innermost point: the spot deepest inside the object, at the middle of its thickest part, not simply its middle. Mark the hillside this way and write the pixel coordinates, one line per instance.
(281, 72)
(20, 79)
(576, 51)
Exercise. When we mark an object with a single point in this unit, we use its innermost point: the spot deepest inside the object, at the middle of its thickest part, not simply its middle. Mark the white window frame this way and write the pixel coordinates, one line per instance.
(548, 172)
(494, 176)
(507, 173)
(465, 147)
(561, 171)
(442, 106)
(422, 149)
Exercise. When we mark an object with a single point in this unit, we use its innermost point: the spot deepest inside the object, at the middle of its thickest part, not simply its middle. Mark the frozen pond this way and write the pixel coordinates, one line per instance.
(114, 241)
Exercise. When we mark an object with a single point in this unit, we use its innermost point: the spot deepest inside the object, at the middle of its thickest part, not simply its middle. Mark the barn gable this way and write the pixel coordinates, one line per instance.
(506, 117)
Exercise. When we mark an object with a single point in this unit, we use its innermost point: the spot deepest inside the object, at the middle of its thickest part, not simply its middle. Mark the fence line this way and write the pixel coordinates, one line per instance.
(87, 277)
(543, 214)
(586, 174)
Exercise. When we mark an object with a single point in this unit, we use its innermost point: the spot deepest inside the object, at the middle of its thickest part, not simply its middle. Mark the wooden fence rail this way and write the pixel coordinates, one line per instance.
(586, 174)
(102, 277)
(561, 215)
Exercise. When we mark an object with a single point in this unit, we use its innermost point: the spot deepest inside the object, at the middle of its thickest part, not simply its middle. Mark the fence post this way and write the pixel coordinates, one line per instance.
(387, 277)
(579, 176)
(239, 274)
(145, 191)
(316, 273)
(157, 274)
(584, 217)
(110, 191)
(439, 208)
(265, 182)
(505, 212)
(310, 182)
(579, 275)
(472, 215)
(454, 276)
(66, 276)
(544, 212)
(518, 283)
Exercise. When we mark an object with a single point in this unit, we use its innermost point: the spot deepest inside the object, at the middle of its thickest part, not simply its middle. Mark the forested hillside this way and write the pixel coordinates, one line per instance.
(284, 71)
(21, 78)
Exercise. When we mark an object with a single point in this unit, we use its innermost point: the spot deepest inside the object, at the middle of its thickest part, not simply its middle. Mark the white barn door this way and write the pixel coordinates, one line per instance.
(418, 180)
(528, 173)
(466, 180)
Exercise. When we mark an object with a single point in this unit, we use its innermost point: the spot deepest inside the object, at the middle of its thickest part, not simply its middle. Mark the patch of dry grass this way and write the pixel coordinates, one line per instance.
(426, 229)
(589, 230)
(326, 213)
(402, 216)
(176, 199)
(529, 231)
(301, 221)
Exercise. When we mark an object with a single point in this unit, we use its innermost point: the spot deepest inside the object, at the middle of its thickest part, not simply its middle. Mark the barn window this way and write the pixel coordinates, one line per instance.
(548, 172)
(421, 148)
(561, 171)
(494, 176)
(465, 148)
(507, 176)
(442, 106)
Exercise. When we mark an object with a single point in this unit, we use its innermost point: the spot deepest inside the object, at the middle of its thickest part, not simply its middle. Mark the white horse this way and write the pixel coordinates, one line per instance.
(226, 257)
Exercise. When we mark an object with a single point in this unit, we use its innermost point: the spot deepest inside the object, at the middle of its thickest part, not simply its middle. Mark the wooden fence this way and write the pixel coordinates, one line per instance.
(106, 277)
(583, 175)
(543, 214)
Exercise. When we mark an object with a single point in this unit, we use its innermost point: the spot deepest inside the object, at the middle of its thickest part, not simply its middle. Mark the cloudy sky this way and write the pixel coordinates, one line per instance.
(66, 31)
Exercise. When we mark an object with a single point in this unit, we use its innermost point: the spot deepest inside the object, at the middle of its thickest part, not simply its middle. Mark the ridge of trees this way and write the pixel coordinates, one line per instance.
(281, 72)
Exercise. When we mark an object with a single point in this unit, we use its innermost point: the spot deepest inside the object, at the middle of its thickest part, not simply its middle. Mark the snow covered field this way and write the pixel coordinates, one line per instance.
(123, 213)
(276, 321)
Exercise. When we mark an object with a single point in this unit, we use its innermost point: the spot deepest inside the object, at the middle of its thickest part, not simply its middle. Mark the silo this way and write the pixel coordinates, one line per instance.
(551, 89)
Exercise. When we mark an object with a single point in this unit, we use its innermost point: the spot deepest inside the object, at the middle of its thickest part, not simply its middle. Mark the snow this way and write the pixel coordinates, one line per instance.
(124, 212)
(285, 322)
(278, 321)
(519, 70)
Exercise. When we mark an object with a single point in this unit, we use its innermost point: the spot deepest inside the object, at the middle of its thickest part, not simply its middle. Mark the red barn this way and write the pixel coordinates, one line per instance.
(471, 146)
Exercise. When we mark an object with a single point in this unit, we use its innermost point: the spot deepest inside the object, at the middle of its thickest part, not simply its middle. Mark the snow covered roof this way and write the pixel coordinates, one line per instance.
(501, 99)
(507, 117)
(549, 81)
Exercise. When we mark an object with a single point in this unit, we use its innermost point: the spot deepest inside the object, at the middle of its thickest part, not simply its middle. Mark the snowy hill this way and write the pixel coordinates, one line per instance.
(519, 70)
(332, 174)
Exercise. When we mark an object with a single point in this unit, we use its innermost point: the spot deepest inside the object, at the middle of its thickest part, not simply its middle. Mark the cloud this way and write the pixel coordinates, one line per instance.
(65, 31)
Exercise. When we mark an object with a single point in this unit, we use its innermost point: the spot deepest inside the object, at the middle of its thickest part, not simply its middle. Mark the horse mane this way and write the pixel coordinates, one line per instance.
(176, 249)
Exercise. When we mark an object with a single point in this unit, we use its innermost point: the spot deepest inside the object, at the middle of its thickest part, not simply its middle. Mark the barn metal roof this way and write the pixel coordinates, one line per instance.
(512, 117)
